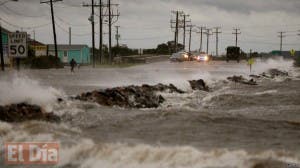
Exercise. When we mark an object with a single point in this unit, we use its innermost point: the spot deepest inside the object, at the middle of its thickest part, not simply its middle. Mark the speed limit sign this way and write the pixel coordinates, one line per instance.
(17, 45)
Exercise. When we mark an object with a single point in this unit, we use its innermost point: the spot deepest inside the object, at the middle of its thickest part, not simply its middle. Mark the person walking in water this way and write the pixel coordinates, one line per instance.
(73, 64)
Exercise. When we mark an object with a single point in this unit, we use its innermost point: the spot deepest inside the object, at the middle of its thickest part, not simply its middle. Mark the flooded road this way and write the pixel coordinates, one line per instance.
(232, 126)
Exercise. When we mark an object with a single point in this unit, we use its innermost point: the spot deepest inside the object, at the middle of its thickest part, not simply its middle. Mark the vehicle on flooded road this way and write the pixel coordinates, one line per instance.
(180, 56)
(202, 57)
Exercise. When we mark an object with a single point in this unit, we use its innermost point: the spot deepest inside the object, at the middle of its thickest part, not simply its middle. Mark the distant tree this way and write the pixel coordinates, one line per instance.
(162, 49)
(171, 45)
(123, 51)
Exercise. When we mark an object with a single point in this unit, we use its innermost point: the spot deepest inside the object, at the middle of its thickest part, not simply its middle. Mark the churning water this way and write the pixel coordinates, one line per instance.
(233, 126)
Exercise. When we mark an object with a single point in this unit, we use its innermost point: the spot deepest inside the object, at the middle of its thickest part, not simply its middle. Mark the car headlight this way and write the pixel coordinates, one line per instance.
(206, 58)
(186, 56)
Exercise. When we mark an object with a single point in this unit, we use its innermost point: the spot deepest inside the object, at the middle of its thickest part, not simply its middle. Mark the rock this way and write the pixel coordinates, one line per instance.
(242, 80)
(255, 76)
(199, 85)
(144, 96)
(276, 72)
(272, 164)
(272, 73)
(24, 112)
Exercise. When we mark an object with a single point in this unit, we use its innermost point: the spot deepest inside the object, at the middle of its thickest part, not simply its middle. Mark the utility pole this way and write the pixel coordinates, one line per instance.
(217, 32)
(93, 33)
(236, 33)
(207, 42)
(117, 38)
(109, 31)
(190, 40)
(201, 37)
(177, 13)
(100, 31)
(110, 15)
(92, 20)
(281, 36)
(117, 35)
(176, 31)
(184, 27)
(1, 49)
(53, 23)
(34, 46)
(70, 36)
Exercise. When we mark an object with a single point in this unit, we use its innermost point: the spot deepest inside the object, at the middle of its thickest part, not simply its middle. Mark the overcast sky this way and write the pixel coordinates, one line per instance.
(146, 23)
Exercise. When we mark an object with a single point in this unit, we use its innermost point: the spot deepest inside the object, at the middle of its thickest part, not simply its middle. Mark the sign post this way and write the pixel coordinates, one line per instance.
(293, 52)
(17, 46)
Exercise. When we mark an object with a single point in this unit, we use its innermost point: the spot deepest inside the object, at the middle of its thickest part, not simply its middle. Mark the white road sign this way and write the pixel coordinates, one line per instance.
(17, 45)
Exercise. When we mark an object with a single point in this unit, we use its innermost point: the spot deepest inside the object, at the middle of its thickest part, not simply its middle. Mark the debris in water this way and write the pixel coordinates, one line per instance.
(24, 112)
(242, 80)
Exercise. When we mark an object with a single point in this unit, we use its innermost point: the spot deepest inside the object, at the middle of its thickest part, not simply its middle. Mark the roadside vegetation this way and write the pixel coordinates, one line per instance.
(297, 61)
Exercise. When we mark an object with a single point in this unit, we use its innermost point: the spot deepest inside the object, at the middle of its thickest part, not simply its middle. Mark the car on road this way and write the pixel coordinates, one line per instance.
(180, 57)
(202, 57)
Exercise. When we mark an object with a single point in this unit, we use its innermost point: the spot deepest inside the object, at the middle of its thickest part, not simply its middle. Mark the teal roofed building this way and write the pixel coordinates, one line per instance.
(4, 37)
(80, 53)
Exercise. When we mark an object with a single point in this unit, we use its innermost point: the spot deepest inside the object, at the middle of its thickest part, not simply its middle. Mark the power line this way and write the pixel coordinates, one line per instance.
(70, 24)
(21, 14)
(144, 38)
(25, 27)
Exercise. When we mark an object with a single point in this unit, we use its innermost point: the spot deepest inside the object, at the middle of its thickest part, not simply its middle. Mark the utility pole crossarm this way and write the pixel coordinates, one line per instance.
(42, 2)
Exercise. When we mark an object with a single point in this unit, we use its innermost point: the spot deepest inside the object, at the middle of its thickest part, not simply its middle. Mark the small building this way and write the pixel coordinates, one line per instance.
(285, 54)
(4, 36)
(39, 48)
(80, 53)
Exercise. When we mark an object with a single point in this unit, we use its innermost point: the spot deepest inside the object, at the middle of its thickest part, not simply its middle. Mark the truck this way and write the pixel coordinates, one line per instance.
(233, 53)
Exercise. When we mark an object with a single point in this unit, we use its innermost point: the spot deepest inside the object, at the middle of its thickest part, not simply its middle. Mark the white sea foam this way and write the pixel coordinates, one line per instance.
(90, 155)
(19, 89)
(266, 92)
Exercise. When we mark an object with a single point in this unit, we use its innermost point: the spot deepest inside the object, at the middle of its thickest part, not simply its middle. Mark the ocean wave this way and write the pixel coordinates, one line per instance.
(21, 89)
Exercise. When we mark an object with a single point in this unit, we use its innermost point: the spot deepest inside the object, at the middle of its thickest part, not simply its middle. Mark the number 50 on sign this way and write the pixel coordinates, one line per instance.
(17, 45)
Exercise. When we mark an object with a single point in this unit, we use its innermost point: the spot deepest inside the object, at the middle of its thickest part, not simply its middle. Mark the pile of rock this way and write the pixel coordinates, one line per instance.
(199, 85)
(144, 96)
(24, 112)
(273, 73)
(242, 80)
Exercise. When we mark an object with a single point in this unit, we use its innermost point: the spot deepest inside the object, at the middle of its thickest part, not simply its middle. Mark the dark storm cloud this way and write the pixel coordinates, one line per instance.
(246, 6)
(149, 20)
